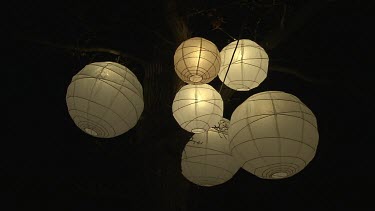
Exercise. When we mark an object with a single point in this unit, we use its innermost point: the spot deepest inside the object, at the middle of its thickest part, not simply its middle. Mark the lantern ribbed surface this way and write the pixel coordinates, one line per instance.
(105, 99)
(197, 61)
(249, 66)
(197, 108)
(206, 159)
(273, 134)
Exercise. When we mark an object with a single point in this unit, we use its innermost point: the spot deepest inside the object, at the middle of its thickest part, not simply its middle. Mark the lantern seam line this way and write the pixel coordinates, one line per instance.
(209, 165)
(205, 154)
(210, 149)
(280, 113)
(277, 125)
(205, 101)
(106, 80)
(288, 139)
(100, 105)
(109, 107)
(229, 66)
(131, 102)
(80, 116)
(91, 92)
(305, 163)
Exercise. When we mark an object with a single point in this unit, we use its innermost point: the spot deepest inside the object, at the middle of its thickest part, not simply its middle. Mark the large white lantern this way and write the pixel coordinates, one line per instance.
(105, 99)
(197, 61)
(248, 68)
(206, 159)
(273, 134)
(197, 108)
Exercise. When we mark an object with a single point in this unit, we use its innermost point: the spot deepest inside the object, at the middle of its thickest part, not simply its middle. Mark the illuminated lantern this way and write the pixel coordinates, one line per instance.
(197, 108)
(248, 68)
(206, 159)
(273, 134)
(197, 61)
(105, 99)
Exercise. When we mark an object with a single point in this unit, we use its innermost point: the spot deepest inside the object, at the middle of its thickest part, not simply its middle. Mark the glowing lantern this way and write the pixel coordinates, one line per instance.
(273, 134)
(105, 99)
(248, 68)
(197, 61)
(206, 159)
(197, 108)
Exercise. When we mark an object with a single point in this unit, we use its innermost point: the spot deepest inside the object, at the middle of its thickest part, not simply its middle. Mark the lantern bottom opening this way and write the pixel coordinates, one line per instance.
(243, 89)
(91, 132)
(198, 130)
(195, 78)
(279, 175)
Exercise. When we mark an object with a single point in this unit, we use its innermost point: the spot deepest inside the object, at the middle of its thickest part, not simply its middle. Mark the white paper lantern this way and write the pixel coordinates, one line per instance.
(273, 134)
(206, 159)
(249, 66)
(197, 61)
(197, 108)
(105, 99)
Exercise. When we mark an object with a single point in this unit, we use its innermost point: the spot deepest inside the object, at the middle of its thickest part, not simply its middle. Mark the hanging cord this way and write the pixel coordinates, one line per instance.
(226, 33)
(221, 87)
(78, 54)
(239, 37)
(93, 57)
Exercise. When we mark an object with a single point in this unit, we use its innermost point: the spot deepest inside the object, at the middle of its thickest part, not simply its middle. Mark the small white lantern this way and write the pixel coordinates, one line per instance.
(273, 134)
(105, 99)
(197, 61)
(206, 159)
(249, 66)
(197, 108)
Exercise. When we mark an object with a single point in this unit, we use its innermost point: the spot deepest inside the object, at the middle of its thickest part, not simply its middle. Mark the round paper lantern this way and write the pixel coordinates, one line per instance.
(248, 68)
(197, 61)
(197, 108)
(273, 134)
(206, 159)
(105, 99)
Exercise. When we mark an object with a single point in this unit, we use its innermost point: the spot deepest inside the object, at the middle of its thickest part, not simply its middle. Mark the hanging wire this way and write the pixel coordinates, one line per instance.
(239, 37)
(226, 33)
(78, 62)
(256, 29)
(93, 57)
(221, 87)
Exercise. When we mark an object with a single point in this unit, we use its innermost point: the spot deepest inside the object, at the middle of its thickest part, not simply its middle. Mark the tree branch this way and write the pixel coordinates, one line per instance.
(89, 49)
(301, 17)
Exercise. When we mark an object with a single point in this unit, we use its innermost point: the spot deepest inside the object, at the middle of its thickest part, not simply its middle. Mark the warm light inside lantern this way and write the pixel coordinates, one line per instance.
(247, 63)
(206, 159)
(197, 61)
(196, 108)
(273, 134)
(105, 99)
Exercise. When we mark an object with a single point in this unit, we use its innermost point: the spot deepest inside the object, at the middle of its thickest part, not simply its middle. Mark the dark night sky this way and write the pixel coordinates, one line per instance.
(48, 162)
